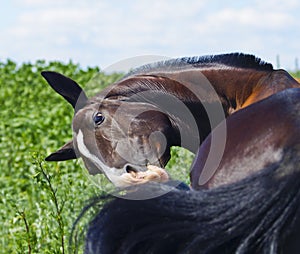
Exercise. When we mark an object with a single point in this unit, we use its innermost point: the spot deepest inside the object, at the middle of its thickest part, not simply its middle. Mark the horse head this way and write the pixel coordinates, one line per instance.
(116, 137)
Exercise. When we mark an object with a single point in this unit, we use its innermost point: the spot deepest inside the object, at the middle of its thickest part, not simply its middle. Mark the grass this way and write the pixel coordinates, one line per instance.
(40, 201)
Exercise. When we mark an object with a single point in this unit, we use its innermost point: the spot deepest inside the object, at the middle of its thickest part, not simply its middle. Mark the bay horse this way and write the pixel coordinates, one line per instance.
(126, 130)
(259, 213)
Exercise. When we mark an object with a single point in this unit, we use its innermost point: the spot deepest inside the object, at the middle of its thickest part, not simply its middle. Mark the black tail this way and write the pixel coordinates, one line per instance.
(259, 214)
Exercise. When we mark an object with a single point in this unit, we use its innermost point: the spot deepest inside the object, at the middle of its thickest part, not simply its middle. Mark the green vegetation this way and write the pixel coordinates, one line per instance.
(40, 201)
(296, 74)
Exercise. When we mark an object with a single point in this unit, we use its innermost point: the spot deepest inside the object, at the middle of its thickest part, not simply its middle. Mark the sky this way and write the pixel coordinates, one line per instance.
(103, 32)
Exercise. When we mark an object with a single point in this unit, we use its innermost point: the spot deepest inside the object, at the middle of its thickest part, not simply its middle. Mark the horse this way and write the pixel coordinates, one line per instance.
(258, 213)
(126, 131)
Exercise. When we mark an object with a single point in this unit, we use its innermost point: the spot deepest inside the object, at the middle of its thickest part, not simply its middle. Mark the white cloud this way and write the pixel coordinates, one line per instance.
(230, 19)
(100, 32)
(277, 5)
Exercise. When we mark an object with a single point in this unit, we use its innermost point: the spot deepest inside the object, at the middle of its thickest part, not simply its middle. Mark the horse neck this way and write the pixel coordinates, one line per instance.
(232, 85)
(238, 87)
(231, 88)
(242, 87)
(216, 90)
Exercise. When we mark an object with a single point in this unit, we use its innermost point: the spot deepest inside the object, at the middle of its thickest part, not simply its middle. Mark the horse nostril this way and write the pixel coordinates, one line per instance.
(130, 169)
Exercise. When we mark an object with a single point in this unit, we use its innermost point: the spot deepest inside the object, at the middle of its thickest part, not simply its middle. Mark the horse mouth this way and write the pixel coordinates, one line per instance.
(134, 176)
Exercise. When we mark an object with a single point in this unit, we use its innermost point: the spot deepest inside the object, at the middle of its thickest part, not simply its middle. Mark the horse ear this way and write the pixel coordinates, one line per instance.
(66, 152)
(67, 88)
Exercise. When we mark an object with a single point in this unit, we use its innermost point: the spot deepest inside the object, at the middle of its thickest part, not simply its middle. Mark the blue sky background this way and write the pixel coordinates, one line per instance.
(102, 32)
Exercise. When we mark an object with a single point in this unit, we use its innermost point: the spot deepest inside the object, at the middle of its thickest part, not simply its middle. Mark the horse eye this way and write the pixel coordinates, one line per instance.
(98, 118)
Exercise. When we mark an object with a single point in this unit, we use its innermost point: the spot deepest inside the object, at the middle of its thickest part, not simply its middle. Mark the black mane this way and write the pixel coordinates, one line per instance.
(237, 60)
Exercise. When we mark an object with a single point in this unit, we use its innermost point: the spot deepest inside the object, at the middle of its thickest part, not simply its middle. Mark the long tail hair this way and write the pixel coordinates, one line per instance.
(259, 214)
